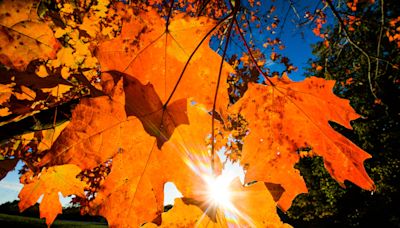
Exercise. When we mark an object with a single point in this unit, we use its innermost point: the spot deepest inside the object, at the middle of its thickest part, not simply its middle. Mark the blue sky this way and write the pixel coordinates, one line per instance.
(298, 49)
(10, 186)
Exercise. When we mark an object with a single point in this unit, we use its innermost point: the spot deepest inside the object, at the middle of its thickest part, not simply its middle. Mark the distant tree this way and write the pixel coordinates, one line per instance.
(11, 208)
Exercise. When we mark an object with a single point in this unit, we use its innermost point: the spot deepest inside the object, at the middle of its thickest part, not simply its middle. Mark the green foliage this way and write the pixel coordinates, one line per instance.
(322, 188)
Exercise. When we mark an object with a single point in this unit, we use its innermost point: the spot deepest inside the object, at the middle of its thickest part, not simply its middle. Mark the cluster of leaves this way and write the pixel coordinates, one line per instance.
(147, 87)
(370, 80)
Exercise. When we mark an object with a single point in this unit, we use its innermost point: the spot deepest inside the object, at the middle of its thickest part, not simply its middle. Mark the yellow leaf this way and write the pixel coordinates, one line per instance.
(50, 136)
(57, 91)
(4, 111)
(64, 57)
(23, 37)
(41, 71)
(65, 73)
(26, 94)
(49, 183)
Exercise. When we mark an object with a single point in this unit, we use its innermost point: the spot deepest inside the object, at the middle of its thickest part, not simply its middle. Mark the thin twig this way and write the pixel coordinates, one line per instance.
(221, 42)
(217, 88)
(345, 32)
(385, 61)
(251, 54)
(379, 38)
(190, 58)
(203, 7)
(294, 9)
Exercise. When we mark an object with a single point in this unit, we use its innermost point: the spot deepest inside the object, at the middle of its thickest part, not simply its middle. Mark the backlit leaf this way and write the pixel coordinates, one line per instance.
(181, 160)
(251, 206)
(49, 183)
(23, 37)
(146, 51)
(290, 116)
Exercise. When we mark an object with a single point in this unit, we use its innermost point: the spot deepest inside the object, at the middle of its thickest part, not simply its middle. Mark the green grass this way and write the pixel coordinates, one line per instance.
(14, 221)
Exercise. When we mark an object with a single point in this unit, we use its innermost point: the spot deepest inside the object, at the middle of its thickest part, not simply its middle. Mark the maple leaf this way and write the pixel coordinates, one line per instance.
(251, 206)
(24, 94)
(143, 102)
(150, 53)
(49, 183)
(181, 160)
(100, 130)
(23, 37)
(48, 136)
(94, 133)
(290, 116)
(99, 124)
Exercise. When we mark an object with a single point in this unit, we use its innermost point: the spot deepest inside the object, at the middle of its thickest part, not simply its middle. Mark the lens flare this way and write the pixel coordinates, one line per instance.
(220, 197)
(218, 190)
(217, 195)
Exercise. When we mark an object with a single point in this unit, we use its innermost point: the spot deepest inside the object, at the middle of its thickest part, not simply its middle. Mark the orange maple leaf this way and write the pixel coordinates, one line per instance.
(150, 53)
(274, 56)
(94, 134)
(49, 183)
(23, 36)
(183, 159)
(100, 130)
(290, 116)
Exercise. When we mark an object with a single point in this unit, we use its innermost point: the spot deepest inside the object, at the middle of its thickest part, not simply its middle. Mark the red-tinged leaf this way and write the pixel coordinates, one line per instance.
(290, 116)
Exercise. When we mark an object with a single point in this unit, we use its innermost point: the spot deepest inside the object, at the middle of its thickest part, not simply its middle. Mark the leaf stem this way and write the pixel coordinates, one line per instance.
(169, 15)
(190, 58)
(228, 36)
